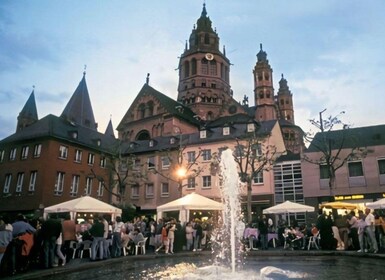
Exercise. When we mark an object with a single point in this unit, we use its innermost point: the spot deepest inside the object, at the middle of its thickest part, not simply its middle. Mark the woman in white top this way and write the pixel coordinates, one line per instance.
(118, 230)
(189, 236)
(171, 236)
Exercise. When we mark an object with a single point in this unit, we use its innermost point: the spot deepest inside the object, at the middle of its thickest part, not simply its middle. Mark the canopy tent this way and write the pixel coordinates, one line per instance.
(189, 202)
(85, 204)
(379, 204)
(288, 207)
(339, 205)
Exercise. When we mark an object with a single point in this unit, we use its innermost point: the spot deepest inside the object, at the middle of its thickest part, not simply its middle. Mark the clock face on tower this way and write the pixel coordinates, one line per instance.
(209, 56)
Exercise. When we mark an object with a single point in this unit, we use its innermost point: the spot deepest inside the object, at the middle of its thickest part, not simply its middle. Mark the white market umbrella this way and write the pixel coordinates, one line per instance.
(288, 207)
(379, 204)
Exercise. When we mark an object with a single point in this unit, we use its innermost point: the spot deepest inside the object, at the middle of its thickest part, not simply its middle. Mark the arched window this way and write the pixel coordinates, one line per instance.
(213, 68)
(222, 71)
(143, 135)
(193, 66)
(204, 66)
(150, 108)
(141, 111)
(261, 95)
(186, 69)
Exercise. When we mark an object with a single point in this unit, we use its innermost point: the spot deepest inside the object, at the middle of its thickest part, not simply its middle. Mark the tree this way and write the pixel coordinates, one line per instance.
(335, 146)
(181, 165)
(253, 154)
(121, 171)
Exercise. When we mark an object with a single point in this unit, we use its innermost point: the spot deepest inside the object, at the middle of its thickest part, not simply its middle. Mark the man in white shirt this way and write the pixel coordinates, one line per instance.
(370, 230)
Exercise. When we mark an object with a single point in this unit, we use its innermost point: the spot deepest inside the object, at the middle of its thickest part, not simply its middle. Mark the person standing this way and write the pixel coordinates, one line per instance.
(5, 238)
(198, 235)
(158, 234)
(97, 232)
(189, 236)
(59, 253)
(69, 234)
(106, 244)
(50, 232)
(118, 229)
(263, 228)
(353, 229)
(370, 230)
(171, 236)
(361, 231)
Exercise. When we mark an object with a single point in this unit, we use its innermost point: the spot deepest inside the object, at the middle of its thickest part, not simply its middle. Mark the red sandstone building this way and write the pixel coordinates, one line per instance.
(58, 158)
(54, 159)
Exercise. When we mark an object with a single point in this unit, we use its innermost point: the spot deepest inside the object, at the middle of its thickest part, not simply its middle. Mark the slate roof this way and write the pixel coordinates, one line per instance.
(110, 129)
(58, 128)
(351, 137)
(172, 107)
(29, 110)
(78, 108)
(230, 120)
(214, 135)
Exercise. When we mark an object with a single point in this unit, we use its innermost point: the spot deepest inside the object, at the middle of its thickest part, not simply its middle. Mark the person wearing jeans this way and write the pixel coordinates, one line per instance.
(97, 232)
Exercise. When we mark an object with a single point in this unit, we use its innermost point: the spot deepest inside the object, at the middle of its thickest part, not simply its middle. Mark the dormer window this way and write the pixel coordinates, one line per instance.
(226, 130)
(172, 140)
(151, 143)
(250, 127)
(73, 134)
(202, 134)
(98, 142)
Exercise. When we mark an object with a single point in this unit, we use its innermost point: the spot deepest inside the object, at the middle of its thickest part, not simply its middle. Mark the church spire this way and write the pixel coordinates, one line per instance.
(79, 110)
(204, 12)
(110, 129)
(28, 115)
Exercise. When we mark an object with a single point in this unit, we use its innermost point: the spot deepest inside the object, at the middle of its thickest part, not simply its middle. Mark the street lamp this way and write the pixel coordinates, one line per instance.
(181, 171)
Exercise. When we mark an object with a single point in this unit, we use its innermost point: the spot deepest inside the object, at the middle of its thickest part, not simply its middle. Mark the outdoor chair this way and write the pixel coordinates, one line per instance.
(85, 246)
(142, 246)
(74, 246)
(313, 241)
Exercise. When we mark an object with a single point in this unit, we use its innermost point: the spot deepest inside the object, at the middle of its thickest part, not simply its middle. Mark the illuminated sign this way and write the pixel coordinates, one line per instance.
(350, 197)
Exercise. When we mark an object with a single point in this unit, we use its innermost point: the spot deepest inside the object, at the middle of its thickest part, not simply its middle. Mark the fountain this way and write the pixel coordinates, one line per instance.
(227, 241)
(230, 233)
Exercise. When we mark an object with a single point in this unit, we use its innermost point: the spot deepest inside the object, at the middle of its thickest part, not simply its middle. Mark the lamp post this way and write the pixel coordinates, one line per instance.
(181, 171)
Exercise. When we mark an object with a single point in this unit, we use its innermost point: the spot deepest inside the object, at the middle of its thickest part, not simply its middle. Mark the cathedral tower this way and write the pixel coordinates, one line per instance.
(285, 101)
(204, 73)
(263, 89)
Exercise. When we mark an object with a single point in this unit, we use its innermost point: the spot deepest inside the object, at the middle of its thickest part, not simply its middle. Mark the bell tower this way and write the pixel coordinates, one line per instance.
(263, 89)
(285, 101)
(204, 73)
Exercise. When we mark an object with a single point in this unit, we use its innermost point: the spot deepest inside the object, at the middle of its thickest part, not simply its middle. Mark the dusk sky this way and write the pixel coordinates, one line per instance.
(332, 53)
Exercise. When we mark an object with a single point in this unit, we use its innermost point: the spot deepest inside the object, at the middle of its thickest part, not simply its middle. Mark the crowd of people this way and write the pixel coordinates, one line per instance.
(55, 241)
(362, 231)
